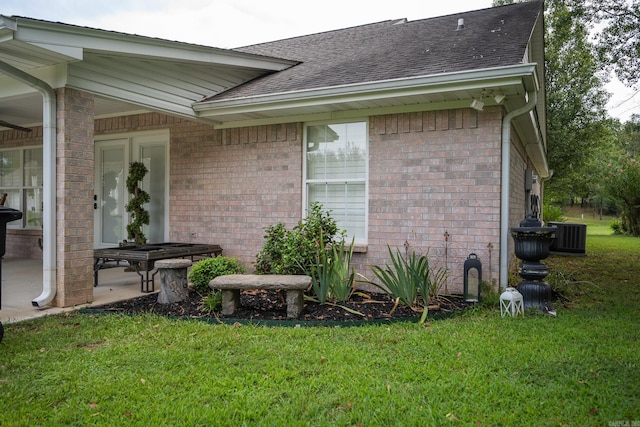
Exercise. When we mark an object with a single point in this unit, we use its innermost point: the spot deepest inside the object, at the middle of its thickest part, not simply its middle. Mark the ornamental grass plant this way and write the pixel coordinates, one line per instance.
(578, 369)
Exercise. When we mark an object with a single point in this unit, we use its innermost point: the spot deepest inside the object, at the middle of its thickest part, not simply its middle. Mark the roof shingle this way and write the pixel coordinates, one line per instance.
(396, 49)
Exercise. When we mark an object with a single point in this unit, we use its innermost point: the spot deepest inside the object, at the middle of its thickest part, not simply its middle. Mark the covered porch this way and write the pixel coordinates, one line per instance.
(56, 81)
(22, 282)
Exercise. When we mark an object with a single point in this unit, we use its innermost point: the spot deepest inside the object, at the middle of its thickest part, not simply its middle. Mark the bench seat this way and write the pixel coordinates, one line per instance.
(232, 284)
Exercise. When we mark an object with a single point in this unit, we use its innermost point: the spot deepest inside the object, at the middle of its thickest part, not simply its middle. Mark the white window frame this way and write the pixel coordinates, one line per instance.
(22, 188)
(362, 241)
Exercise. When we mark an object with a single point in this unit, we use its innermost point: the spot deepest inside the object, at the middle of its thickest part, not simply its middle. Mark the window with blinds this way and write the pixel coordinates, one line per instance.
(21, 180)
(336, 173)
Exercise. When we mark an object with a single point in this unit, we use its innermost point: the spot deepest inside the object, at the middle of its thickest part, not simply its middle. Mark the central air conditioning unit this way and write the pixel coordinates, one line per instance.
(571, 238)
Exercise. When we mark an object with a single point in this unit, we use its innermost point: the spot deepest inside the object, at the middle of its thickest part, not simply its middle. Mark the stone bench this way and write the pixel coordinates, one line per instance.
(232, 284)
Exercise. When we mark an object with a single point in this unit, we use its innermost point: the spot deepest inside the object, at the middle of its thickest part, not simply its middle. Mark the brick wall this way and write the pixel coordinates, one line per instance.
(228, 185)
(432, 174)
(75, 171)
(434, 185)
(434, 188)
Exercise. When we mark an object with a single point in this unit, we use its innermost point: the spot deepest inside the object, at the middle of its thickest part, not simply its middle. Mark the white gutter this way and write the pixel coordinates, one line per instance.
(49, 181)
(506, 176)
(437, 83)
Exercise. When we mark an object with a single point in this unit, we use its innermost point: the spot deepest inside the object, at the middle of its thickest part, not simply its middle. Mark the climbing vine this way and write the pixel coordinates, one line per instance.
(135, 207)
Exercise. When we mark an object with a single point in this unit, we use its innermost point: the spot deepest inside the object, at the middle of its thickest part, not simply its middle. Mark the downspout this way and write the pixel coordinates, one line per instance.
(505, 190)
(49, 181)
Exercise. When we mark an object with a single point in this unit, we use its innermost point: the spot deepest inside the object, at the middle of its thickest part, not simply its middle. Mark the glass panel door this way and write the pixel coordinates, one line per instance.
(111, 197)
(155, 183)
(110, 192)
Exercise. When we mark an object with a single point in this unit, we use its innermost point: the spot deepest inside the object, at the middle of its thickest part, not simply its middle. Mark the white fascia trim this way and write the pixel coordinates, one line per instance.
(463, 80)
(52, 34)
(74, 53)
(342, 114)
(8, 27)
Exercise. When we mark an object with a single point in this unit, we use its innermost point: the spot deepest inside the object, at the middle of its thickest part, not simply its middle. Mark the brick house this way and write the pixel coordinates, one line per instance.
(427, 135)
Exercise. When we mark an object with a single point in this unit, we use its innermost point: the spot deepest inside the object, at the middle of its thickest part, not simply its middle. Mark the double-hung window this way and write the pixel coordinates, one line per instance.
(336, 173)
(21, 180)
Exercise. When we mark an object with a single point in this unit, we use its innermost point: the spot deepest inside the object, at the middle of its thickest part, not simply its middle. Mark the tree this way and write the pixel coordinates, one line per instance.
(624, 183)
(619, 39)
(139, 215)
(577, 122)
(616, 25)
(576, 99)
(630, 136)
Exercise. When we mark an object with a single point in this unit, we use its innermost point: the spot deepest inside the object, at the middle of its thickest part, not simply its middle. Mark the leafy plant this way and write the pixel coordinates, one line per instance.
(616, 226)
(623, 182)
(212, 301)
(490, 295)
(342, 285)
(333, 276)
(139, 215)
(437, 280)
(204, 271)
(408, 278)
(399, 279)
(297, 251)
(322, 277)
(552, 213)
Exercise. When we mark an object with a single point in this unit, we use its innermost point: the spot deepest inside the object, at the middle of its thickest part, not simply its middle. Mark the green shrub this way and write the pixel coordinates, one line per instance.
(333, 275)
(409, 278)
(297, 251)
(437, 279)
(343, 283)
(616, 226)
(204, 271)
(490, 295)
(403, 278)
(552, 213)
(212, 301)
(623, 181)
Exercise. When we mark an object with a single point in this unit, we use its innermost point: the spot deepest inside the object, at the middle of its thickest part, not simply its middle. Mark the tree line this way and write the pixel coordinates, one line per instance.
(595, 157)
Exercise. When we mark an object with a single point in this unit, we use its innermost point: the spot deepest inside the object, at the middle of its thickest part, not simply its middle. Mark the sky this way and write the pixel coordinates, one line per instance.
(235, 23)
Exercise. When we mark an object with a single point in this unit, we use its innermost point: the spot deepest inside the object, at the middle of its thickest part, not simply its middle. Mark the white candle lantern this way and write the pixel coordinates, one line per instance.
(511, 303)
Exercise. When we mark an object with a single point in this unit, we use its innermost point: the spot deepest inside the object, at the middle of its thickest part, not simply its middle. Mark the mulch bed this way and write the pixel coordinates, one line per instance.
(266, 306)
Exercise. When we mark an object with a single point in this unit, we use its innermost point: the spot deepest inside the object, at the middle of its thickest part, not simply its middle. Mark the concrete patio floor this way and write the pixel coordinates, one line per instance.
(22, 282)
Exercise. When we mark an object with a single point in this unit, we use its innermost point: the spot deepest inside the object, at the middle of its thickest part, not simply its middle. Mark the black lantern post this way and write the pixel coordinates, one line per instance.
(472, 278)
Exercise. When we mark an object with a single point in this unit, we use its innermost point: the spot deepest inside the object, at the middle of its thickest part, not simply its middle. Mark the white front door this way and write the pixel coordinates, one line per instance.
(113, 157)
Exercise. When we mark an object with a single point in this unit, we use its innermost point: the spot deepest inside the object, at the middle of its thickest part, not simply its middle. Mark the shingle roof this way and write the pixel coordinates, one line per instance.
(493, 37)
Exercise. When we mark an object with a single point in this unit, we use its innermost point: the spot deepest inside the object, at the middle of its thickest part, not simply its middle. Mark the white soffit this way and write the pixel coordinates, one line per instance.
(165, 85)
(152, 73)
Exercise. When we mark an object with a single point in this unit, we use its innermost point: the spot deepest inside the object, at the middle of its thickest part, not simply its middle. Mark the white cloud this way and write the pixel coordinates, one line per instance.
(624, 101)
(229, 23)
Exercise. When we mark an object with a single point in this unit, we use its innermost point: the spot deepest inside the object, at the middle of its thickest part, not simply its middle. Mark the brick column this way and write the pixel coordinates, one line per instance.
(74, 198)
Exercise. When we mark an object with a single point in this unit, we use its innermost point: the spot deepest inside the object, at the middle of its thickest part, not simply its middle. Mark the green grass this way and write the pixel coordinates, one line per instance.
(595, 226)
(578, 369)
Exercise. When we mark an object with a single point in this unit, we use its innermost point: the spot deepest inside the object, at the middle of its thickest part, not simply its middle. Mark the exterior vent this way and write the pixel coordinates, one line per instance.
(571, 238)
(460, 24)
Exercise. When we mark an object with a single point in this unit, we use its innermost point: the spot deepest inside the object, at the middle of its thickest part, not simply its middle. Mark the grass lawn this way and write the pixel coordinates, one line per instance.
(581, 368)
